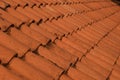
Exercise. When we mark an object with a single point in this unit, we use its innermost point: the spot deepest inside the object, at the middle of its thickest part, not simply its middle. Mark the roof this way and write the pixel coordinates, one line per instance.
(59, 40)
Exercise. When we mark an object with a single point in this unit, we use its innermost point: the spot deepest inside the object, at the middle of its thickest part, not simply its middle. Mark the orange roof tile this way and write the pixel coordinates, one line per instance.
(59, 40)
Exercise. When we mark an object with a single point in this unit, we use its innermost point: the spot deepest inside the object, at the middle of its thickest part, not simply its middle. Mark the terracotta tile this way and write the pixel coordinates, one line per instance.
(99, 61)
(33, 16)
(69, 25)
(113, 77)
(54, 58)
(50, 39)
(6, 54)
(98, 54)
(11, 2)
(35, 35)
(105, 11)
(57, 28)
(86, 36)
(68, 48)
(74, 45)
(18, 15)
(51, 28)
(109, 22)
(3, 5)
(27, 70)
(23, 38)
(43, 31)
(78, 75)
(93, 5)
(5, 74)
(43, 65)
(30, 3)
(116, 72)
(75, 26)
(94, 15)
(77, 22)
(77, 41)
(104, 53)
(82, 19)
(118, 62)
(63, 9)
(42, 12)
(115, 17)
(43, 3)
(21, 2)
(30, 10)
(114, 46)
(85, 20)
(74, 8)
(107, 50)
(62, 26)
(99, 26)
(33, 2)
(97, 68)
(90, 34)
(107, 3)
(62, 53)
(4, 24)
(114, 37)
(83, 39)
(46, 11)
(89, 71)
(11, 19)
(68, 8)
(51, 10)
(91, 29)
(83, 7)
(10, 42)
(115, 32)
(113, 42)
(65, 77)
(118, 28)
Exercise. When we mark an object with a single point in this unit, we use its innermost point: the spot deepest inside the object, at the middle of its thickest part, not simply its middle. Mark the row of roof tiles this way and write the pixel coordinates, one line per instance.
(29, 36)
(52, 51)
(42, 3)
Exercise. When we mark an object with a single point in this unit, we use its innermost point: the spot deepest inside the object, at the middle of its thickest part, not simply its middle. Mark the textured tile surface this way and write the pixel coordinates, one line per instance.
(59, 40)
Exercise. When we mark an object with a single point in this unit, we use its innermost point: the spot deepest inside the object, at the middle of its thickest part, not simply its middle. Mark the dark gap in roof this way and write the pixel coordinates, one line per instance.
(116, 1)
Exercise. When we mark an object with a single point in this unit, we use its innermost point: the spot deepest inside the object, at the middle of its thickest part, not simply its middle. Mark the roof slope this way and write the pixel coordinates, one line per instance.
(59, 40)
